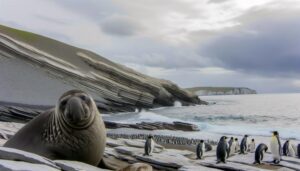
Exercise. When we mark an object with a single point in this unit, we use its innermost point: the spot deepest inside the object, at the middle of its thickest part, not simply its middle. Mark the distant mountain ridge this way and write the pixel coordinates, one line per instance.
(206, 91)
(36, 70)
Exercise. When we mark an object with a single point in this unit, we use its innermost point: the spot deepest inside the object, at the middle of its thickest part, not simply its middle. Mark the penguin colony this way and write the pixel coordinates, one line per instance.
(225, 147)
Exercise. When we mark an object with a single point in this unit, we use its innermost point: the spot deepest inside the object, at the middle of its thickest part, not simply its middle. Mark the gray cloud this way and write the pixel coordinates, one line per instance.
(218, 1)
(269, 46)
(120, 26)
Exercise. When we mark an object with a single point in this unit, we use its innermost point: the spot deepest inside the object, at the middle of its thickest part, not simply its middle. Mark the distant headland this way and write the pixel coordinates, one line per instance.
(206, 91)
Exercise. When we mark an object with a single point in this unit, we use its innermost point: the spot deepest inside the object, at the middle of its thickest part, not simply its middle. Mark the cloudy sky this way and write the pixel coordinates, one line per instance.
(249, 43)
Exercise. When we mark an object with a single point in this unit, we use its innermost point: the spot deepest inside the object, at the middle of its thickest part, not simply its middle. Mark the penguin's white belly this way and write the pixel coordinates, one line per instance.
(275, 148)
(291, 151)
(233, 148)
(152, 146)
(252, 147)
(203, 149)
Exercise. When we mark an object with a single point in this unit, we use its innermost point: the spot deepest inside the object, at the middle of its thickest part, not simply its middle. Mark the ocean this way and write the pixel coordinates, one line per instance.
(255, 115)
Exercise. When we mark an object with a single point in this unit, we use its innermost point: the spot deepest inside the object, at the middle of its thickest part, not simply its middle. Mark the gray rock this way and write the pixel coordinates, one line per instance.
(68, 165)
(8, 165)
(196, 168)
(19, 155)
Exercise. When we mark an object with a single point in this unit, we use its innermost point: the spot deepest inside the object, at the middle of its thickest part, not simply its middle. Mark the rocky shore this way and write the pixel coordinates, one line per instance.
(171, 153)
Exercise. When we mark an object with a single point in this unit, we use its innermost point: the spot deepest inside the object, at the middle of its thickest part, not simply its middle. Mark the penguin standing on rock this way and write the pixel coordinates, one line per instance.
(232, 148)
(252, 146)
(259, 153)
(288, 149)
(237, 146)
(222, 150)
(276, 147)
(200, 149)
(244, 145)
(230, 145)
(149, 145)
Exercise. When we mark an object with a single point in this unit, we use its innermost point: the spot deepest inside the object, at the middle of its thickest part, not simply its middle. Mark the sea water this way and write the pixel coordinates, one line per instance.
(255, 115)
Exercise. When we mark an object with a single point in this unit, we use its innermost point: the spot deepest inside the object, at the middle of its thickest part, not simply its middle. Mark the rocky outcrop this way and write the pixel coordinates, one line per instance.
(207, 91)
(33, 66)
(12, 112)
(181, 126)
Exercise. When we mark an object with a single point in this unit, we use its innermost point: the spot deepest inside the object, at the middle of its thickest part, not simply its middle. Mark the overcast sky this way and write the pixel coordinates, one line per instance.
(249, 43)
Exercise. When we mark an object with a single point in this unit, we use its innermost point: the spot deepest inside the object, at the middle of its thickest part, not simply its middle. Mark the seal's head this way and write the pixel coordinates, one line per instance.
(76, 109)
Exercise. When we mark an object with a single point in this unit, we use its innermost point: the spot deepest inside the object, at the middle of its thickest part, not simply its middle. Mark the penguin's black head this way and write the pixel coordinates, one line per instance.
(252, 140)
(201, 141)
(236, 139)
(150, 136)
(246, 135)
(231, 138)
(275, 133)
(266, 149)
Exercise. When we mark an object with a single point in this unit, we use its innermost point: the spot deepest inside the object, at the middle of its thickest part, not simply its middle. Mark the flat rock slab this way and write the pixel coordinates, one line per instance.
(68, 165)
(14, 154)
(139, 143)
(166, 160)
(114, 143)
(132, 151)
(8, 165)
(229, 166)
(196, 168)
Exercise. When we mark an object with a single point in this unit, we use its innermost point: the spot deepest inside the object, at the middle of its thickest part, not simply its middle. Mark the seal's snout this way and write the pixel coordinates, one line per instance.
(74, 110)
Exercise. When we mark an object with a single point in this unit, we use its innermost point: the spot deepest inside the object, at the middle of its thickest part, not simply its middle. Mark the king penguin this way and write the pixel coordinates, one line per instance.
(252, 146)
(259, 153)
(288, 149)
(244, 145)
(149, 145)
(276, 147)
(200, 149)
(222, 150)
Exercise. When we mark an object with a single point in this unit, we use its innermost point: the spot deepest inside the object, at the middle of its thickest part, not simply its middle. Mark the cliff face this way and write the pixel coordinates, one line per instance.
(37, 70)
(206, 91)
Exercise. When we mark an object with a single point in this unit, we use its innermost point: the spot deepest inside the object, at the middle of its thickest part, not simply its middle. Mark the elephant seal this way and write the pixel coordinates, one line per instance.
(73, 130)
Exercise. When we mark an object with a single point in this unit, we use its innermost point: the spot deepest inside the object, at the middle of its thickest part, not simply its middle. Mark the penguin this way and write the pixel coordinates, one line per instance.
(200, 149)
(288, 149)
(229, 145)
(252, 146)
(276, 147)
(237, 146)
(259, 153)
(232, 148)
(244, 145)
(149, 146)
(222, 150)
(298, 151)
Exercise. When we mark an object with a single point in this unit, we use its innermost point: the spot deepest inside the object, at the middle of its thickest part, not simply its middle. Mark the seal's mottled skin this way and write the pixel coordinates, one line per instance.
(74, 130)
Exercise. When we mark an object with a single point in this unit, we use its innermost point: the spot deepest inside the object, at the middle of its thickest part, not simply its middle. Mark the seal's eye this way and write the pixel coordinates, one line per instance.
(83, 97)
(63, 103)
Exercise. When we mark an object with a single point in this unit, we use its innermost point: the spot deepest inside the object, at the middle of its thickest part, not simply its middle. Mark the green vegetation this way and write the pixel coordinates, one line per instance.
(21, 35)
